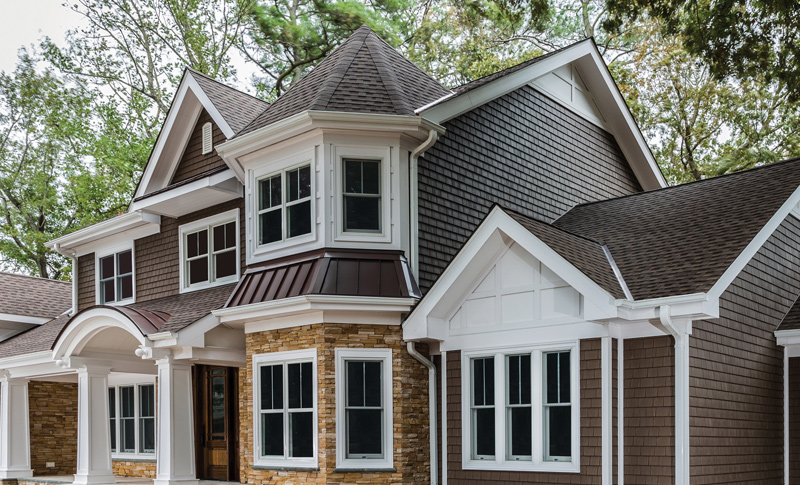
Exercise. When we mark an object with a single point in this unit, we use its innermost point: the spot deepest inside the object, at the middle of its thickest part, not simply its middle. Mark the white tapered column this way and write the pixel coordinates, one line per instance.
(15, 442)
(94, 438)
(175, 446)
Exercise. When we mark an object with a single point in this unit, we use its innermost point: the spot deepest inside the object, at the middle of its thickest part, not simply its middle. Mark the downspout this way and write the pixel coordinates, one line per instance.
(74, 258)
(680, 331)
(413, 168)
(432, 404)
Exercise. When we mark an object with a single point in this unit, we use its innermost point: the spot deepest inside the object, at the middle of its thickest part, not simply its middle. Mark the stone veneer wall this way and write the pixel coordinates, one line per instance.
(53, 411)
(134, 468)
(410, 389)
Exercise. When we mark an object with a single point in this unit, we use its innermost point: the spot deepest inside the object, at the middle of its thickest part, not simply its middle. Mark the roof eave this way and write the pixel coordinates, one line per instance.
(132, 225)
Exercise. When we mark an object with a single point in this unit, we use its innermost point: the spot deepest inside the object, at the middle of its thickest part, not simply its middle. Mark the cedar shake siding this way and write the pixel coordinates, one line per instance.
(794, 420)
(523, 151)
(649, 411)
(86, 281)
(590, 403)
(736, 373)
(193, 162)
(157, 257)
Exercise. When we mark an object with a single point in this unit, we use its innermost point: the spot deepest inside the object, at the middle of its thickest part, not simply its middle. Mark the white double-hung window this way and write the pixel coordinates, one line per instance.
(210, 251)
(364, 408)
(284, 205)
(132, 415)
(285, 409)
(520, 409)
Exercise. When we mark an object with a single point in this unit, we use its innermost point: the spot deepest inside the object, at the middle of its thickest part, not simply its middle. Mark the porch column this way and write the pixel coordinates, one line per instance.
(94, 435)
(15, 442)
(175, 446)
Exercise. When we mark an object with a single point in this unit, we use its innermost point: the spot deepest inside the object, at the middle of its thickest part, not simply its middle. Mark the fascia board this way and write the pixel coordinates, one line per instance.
(305, 303)
(193, 189)
(161, 140)
(10, 317)
(34, 358)
(233, 150)
(788, 338)
(209, 106)
(135, 224)
(755, 245)
(631, 140)
(452, 106)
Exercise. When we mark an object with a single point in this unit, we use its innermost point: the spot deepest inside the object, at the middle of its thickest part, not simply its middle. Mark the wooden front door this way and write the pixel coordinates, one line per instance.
(216, 421)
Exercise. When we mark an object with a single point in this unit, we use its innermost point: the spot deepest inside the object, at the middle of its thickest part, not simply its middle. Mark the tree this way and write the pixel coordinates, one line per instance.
(137, 49)
(50, 180)
(745, 39)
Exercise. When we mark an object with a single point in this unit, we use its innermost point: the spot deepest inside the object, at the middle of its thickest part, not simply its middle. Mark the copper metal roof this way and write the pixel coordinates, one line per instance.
(328, 272)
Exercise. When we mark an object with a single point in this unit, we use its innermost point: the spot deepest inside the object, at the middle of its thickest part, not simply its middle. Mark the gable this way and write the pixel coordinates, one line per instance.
(516, 291)
(193, 162)
(566, 85)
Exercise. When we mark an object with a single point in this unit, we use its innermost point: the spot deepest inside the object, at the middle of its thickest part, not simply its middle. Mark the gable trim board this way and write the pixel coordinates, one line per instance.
(121, 229)
(186, 106)
(596, 75)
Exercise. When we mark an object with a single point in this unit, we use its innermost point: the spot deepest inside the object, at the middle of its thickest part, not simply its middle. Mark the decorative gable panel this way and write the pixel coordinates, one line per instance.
(566, 85)
(195, 159)
(517, 291)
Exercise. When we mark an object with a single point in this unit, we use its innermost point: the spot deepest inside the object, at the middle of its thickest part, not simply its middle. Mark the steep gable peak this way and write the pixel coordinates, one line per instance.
(363, 75)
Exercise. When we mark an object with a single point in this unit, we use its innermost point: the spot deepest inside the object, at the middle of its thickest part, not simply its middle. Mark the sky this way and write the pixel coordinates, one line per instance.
(24, 22)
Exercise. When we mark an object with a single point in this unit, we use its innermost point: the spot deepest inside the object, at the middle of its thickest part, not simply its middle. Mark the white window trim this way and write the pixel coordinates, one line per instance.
(259, 252)
(207, 223)
(384, 355)
(136, 455)
(114, 250)
(283, 207)
(288, 357)
(537, 464)
(383, 155)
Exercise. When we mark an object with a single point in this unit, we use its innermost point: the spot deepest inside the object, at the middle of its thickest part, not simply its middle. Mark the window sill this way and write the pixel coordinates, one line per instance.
(226, 281)
(286, 468)
(364, 470)
(133, 458)
(550, 467)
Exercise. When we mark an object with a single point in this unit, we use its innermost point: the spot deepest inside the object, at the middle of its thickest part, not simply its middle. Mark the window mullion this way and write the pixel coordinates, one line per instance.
(499, 408)
(537, 402)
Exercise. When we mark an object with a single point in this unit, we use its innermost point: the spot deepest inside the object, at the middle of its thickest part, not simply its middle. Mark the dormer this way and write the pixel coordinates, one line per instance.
(184, 172)
(328, 164)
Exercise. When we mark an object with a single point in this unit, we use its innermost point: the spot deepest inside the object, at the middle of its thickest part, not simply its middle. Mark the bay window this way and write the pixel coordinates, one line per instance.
(520, 409)
(286, 409)
(284, 205)
(364, 408)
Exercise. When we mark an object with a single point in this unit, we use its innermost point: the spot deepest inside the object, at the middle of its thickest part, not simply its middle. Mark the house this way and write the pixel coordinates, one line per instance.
(376, 279)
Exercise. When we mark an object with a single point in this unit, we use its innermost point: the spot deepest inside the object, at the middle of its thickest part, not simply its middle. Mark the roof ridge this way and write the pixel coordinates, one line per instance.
(40, 278)
(195, 71)
(691, 182)
(394, 90)
(325, 92)
(565, 231)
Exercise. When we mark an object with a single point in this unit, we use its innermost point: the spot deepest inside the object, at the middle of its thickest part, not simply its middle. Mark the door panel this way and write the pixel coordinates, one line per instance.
(217, 422)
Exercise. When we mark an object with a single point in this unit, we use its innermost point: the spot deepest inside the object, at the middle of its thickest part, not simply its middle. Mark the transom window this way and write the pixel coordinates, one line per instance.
(210, 253)
(116, 277)
(528, 397)
(286, 411)
(284, 205)
(364, 408)
(362, 196)
(132, 419)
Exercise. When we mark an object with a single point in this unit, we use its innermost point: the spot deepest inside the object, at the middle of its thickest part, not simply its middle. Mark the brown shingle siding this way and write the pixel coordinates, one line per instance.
(86, 286)
(649, 415)
(523, 151)
(737, 370)
(193, 162)
(158, 259)
(590, 403)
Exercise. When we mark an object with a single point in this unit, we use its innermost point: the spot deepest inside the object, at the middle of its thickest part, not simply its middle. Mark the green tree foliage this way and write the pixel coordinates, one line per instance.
(750, 40)
(51, 133)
